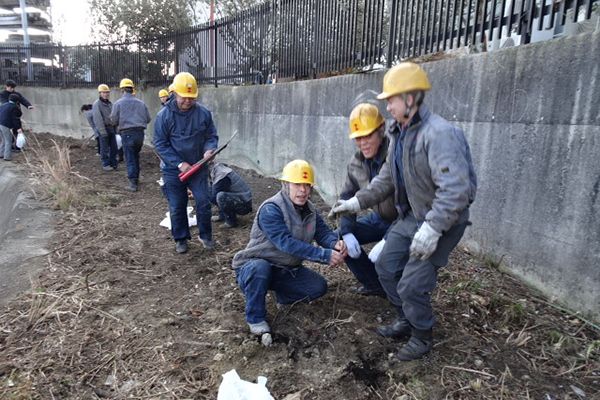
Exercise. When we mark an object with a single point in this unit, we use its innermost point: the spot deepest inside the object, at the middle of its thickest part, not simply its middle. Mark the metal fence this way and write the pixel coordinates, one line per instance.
(296, 39)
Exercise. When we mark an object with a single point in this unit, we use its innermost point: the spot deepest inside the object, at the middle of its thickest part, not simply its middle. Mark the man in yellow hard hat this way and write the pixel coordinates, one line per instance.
(184, 133)
(280, 239)
(433, 181)
(163, 95)
(131, 117)
(101, 110)
(367, 129)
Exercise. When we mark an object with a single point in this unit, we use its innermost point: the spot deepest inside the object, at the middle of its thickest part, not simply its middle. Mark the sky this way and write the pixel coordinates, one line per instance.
(71, 22)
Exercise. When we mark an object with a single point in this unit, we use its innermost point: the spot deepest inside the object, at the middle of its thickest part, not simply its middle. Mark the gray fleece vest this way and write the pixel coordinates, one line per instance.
(260, 247)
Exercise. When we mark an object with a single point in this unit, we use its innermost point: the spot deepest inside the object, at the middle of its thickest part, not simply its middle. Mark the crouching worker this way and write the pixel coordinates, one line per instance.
(280, 239)
(230, 193)
(367, 128)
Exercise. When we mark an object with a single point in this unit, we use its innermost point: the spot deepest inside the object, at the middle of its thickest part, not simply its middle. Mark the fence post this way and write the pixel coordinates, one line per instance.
(216, 58)
(392, 33)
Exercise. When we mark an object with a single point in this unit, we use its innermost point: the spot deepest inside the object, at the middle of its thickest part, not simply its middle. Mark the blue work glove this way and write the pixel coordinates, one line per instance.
(425, 242)
(352, 245)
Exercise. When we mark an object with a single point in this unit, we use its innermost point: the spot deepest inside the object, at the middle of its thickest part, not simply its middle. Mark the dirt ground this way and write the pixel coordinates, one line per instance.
(116, 313)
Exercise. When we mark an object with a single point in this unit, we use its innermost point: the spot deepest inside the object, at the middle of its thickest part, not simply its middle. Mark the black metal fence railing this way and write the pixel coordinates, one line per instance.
(297, 39)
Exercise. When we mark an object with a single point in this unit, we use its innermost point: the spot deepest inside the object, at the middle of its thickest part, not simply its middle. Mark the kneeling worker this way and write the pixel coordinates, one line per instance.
(284, 228)
(230, 193)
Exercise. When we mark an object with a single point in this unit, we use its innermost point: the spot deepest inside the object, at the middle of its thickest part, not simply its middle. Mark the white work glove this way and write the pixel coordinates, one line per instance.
(352, 245)
(345, 207)
(425, 242)
(376, 251)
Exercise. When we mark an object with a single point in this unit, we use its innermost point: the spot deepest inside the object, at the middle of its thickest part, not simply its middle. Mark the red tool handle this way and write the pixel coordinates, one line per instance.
(184, 175)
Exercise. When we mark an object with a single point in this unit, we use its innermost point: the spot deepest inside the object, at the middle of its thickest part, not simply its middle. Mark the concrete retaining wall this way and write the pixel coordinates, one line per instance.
(531, 115)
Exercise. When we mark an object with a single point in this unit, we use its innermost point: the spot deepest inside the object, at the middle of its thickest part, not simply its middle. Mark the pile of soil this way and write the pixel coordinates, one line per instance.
(117, 313)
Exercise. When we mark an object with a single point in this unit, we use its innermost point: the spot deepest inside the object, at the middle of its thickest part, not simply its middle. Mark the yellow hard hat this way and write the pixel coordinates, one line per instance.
(364, 119)
(404, 77)
(171, 88)
(185, 85)
(163, 93)
(126, 83)
(298, 171)
(103, 88)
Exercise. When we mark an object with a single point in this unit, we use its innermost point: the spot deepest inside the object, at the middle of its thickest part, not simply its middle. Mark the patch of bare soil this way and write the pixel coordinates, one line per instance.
(116, 313)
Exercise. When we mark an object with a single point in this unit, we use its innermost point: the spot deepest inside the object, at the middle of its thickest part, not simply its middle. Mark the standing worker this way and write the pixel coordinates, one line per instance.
(10, 86)
(432, 178)
(89, 116)
(280, 239)
(230, 193)
(131, 116)
(163, 95)
(184, 133)
(367, 128)
(101, 110)
(10, 119)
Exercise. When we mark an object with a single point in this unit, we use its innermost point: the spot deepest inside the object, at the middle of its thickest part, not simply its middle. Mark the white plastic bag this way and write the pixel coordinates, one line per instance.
(20, 140)
(234, 388)
(166, 222)
(119, 141)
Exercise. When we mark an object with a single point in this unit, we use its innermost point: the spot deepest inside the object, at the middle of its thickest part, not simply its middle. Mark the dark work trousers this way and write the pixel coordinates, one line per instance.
(408, 281)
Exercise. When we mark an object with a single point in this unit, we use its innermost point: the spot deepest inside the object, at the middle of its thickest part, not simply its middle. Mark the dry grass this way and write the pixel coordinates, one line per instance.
(51, 173)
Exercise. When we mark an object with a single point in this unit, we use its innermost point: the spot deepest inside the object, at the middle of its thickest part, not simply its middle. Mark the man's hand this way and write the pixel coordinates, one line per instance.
(207, 153)
(336, 258)
(352, 245)
(376, 251)
(184, 167)
(341, 247)
(425, 242)
(31, 107)
(345, 207)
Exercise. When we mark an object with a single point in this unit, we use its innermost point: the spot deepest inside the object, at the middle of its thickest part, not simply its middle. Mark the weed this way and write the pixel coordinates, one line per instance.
(15, 387)
(592, 348)
(515, 313)
(51, 170)
(468, 285)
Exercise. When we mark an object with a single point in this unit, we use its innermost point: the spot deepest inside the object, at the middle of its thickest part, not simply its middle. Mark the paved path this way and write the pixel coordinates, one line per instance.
(25, 228)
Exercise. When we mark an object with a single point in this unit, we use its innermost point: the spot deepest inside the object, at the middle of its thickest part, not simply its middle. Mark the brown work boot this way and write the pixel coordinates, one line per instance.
(399, 329)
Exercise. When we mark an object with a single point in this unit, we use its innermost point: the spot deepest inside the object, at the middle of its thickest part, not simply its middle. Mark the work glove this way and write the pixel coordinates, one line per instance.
(352, 245)
(376, 251)
(425, 242)
(345, 207)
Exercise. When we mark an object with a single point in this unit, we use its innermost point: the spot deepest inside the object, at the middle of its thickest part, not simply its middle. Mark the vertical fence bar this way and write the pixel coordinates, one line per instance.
(461, 9)
(475, 19)
(492, 20)
(501, 19)
(446, 23)
(403, 29)
(576, 4)
(541, 15)
(410, 37)
(519, 21)
(422, 26)
(393, 29)
(453, 25)
(588, 9)
(482, 28)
